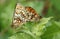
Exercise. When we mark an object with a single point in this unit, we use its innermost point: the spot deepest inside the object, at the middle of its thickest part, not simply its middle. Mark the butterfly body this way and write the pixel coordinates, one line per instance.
(24, 14)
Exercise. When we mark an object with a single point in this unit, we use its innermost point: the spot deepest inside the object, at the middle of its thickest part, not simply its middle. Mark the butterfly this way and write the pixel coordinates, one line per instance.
(24, 14)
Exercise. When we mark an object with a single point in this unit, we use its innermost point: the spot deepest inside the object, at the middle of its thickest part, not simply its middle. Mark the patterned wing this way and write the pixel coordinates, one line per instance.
(19, 16)
(32, 15)
(24, 14)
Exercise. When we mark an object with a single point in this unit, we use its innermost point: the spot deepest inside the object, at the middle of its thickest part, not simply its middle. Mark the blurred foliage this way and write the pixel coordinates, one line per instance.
(47, 28)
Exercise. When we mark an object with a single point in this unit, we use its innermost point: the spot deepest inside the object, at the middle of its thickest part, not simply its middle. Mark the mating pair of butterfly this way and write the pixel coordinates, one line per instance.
(23, 14)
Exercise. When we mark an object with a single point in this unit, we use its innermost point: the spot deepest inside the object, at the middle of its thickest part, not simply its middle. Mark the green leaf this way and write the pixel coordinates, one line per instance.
(52, 32)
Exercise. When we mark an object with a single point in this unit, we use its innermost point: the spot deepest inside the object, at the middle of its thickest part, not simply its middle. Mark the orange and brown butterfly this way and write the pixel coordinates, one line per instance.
(23, 14)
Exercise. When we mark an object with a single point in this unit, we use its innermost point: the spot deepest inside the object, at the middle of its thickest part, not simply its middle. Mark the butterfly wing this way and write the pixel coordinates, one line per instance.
(24, 14)
(33, 16)
(19, 15)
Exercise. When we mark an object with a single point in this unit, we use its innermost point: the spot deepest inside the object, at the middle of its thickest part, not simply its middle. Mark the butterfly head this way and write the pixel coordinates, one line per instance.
(19, 6)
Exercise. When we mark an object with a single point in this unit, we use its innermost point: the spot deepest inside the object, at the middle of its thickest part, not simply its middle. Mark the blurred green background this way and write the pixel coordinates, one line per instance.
(46, 28)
